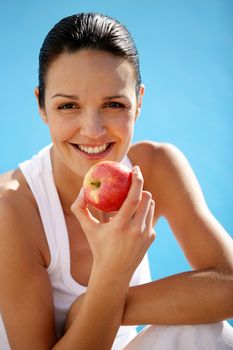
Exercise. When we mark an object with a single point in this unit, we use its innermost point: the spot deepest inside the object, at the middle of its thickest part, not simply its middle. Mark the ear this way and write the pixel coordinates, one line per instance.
(41, 109)
(139, 100)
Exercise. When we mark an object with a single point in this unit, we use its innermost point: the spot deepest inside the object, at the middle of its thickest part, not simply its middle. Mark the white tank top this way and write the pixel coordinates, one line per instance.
(39, 175)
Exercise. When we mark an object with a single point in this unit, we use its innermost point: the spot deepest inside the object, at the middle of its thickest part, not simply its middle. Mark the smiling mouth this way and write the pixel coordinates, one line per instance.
(93, 150)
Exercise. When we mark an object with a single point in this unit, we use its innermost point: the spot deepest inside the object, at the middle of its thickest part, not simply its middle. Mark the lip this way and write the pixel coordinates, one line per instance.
(94, 156)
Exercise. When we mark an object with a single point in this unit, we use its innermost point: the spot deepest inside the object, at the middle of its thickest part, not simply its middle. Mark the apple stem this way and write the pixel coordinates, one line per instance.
(95, 184)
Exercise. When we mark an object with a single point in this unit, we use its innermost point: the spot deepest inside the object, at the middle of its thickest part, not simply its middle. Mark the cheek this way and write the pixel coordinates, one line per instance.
(128, 125)
(124, 122)
(124, 130)
(60, 129)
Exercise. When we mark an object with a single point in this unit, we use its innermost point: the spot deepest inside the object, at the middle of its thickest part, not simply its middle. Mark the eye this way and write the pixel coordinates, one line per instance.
(114, 105)
(68, 106)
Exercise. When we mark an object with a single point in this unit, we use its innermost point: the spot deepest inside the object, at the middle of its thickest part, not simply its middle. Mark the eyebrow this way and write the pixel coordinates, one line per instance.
(75, 97)
(114, 96)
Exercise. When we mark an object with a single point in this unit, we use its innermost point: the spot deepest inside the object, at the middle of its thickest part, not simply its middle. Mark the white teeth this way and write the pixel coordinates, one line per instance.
(95, 150)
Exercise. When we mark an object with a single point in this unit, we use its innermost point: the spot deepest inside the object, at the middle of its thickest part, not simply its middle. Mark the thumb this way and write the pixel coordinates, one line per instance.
(81, 211)
(79, 202)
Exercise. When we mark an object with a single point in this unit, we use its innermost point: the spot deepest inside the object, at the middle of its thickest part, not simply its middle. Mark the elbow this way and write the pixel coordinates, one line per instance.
(225, 281)
(229, 297)
(229, 291)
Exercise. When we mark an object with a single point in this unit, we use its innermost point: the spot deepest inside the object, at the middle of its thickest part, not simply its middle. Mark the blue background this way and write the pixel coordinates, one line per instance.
(186, 51)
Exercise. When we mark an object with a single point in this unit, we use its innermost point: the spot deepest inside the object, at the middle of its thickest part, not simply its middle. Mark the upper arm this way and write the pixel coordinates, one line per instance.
(180, 200)
(26, 300)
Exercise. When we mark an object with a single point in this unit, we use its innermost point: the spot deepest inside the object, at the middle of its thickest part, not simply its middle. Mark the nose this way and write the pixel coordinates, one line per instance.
(92, 125)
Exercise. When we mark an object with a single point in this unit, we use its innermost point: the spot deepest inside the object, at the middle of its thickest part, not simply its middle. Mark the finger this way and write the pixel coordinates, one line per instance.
(149, 219)
(133, 199)
(149, 232)
(139, 219)
(82, 213)
(79, 201)
(150, 239)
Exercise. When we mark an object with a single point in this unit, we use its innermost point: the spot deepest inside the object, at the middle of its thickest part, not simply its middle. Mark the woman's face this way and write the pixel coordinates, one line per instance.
(90, 108)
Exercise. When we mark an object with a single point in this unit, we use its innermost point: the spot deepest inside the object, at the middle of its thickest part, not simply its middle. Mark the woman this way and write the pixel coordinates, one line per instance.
(76, 278)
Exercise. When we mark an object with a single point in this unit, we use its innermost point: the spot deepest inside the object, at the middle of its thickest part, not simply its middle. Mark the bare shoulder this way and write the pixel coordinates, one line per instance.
(17, 218)
(160, 154)
(26, 308)
(166, 172)
(145, 154)
(14, 185)
(18, 213)
(14, 197)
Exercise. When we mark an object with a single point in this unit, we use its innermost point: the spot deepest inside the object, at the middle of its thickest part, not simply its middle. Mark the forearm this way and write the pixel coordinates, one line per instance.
(96, 322)
(186, 298)
(99, 316)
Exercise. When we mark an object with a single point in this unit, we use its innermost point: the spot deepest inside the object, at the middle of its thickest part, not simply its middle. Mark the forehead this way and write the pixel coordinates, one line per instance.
(93, 68)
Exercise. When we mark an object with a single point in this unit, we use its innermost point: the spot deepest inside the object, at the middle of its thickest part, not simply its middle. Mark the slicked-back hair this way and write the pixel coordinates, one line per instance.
(86, 31)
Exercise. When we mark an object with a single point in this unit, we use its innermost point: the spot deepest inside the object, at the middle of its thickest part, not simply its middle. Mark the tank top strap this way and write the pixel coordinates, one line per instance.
(126, 161)
(38, 174)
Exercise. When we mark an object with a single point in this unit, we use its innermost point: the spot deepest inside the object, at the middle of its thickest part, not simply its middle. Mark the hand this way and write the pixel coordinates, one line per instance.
(119, 245)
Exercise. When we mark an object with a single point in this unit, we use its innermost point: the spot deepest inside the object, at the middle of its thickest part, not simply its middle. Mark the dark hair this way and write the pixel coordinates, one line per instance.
(87, 31)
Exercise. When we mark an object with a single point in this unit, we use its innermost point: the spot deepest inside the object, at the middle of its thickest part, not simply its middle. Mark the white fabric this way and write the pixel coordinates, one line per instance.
(214, 336)
(4, 345)
(39, 175)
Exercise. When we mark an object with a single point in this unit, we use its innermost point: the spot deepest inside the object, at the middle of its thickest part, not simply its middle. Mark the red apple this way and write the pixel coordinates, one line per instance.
(106, 185)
